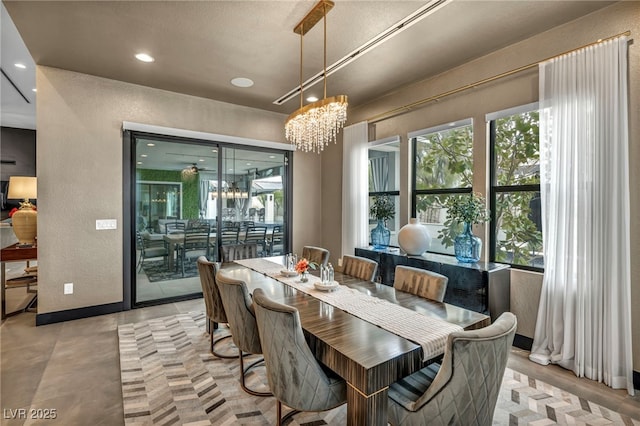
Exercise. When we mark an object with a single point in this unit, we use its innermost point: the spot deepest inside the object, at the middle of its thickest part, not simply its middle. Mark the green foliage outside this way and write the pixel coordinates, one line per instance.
(517, 160)
(190, 202)
(445, 160)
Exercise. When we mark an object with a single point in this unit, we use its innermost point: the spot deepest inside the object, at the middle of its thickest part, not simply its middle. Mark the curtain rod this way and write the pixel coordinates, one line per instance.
(410, 107)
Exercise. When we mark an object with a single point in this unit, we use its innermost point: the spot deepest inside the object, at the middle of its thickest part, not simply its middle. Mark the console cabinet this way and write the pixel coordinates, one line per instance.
(482, 287)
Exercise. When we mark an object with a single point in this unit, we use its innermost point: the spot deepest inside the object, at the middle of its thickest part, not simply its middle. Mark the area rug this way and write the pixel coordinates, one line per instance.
(156, 270)
(169, 377)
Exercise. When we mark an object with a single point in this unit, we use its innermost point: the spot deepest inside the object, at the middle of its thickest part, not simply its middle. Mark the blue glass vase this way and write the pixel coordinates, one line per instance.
(467, 246)
(380, 236)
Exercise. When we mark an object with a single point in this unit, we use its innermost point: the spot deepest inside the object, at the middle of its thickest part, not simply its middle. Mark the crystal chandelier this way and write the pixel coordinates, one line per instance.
(313, 126)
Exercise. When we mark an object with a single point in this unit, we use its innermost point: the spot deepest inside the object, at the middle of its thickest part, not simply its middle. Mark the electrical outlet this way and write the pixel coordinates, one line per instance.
(68, 288)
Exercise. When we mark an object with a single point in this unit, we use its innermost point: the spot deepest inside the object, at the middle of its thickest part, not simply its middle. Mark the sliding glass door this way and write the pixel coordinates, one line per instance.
(193, 198)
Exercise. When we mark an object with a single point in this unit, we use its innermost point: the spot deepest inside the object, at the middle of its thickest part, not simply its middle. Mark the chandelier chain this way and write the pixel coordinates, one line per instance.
(314, 126)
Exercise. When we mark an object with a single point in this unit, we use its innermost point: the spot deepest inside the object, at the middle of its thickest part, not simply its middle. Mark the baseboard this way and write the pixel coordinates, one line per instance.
(522, 342)
(72, 314)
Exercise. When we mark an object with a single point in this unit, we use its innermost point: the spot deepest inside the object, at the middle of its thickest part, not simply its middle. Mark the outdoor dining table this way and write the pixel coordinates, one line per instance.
(366, 355)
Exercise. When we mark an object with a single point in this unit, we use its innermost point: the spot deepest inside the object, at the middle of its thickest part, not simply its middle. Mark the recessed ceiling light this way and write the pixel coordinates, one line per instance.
(202, 159)
(143, 155)
(144, 57)
(151, 144)
(34, 90)
(312, 99)
(139, 162)
(21, 66)
(242, 82)
(230, 170)
(248, 164)
(272, 156)
(214, 150)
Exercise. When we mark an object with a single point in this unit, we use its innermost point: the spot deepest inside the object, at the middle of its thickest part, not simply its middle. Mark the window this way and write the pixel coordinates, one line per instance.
(516, 221)
(384, 179)
(443, 168)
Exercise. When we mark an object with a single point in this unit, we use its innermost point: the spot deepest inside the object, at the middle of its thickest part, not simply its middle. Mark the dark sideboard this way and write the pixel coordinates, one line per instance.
(482, 286)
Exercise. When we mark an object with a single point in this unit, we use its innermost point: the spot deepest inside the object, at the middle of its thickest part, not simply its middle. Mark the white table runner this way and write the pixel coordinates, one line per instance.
(430, 333)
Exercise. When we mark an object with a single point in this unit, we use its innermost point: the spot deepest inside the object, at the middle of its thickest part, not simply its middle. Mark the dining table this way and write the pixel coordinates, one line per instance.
(366, 354)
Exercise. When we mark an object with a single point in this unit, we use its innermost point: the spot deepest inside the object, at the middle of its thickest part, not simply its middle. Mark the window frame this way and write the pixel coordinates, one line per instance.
(394, 193)
(495, 189)
(412, 137)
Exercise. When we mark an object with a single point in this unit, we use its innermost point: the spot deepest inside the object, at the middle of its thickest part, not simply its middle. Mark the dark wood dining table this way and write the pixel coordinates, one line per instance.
(368, 357)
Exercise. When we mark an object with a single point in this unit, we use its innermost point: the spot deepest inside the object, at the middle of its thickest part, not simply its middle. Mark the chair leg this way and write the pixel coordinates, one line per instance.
(283, 420)
(244, 371)
(214, 342)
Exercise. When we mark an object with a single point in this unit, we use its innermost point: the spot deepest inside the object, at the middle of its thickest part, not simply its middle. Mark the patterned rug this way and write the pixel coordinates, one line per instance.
(156, 270)
(169, 377)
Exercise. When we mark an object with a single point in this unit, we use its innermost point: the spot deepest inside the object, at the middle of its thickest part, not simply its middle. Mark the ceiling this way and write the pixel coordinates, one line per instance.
(17, 103)
(199, 46)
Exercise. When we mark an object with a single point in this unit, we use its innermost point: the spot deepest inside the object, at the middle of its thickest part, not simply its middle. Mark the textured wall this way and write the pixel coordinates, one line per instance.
(508, 92)
(79, 121)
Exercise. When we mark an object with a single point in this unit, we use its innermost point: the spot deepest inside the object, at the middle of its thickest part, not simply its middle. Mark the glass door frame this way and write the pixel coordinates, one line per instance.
(129, 204)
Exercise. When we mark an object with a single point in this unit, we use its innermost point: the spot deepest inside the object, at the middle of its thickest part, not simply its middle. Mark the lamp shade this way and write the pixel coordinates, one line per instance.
(23, 187)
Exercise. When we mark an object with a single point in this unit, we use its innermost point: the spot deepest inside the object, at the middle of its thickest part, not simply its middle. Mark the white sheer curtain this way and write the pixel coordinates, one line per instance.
(584, 317)
(355, 188)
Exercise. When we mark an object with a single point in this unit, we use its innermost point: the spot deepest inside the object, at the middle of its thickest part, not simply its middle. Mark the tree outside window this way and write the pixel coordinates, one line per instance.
(443, 169)
(515, 192)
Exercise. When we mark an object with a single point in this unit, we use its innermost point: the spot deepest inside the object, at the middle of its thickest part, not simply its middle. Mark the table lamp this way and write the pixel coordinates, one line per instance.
(25, 219)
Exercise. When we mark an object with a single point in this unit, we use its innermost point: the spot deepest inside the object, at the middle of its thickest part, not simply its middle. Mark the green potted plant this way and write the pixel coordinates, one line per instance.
(467, 210)
(382, 209)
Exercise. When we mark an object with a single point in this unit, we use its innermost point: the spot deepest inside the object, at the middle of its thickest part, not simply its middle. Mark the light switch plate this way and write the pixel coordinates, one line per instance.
(102, 224)
(68, 288)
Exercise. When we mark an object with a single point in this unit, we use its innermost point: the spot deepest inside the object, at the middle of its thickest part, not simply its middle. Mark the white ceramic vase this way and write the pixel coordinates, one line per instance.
(414, 238)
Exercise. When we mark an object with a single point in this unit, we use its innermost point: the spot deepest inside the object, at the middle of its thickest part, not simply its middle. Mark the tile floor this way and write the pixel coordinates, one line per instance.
(73, 367)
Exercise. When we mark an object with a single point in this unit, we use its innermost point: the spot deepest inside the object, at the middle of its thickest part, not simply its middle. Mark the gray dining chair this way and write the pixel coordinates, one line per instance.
(296, 378)
(231, 252)
(242, 323)
(359, 267)
(317, 255)
(213, 302)
(150, 248)
(195, 243)
(423, 283)
(463, 390)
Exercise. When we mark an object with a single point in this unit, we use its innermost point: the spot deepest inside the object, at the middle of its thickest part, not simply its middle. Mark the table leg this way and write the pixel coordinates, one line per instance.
(3, 313)
(366, 410)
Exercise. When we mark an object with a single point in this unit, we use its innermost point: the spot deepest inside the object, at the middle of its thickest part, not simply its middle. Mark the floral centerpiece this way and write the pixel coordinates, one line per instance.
(302, 268)
(467, 210)
(382, 209)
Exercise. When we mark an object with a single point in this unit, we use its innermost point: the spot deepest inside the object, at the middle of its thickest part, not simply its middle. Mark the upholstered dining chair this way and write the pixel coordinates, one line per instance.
(213, 302)
(296, 378)
(463, 390)
(231, 252)
(242, 323)
(423, 283)
(359, 267)
(317, 255)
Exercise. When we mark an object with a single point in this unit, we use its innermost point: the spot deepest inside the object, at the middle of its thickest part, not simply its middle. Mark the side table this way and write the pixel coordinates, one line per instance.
(14, 253)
